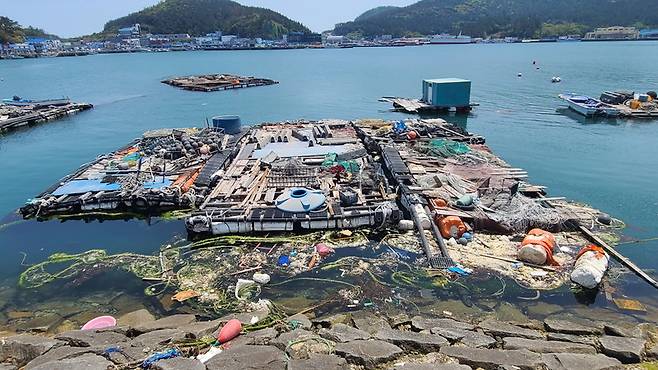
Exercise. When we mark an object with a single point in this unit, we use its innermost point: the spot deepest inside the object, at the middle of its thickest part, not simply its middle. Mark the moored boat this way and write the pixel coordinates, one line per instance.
(19, 102)
(588, 106)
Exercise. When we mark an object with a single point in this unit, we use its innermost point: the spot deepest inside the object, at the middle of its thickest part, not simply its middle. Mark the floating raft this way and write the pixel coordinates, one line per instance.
(164, 170)
(416, 106)
(13, 116)
(217, 82)
(334, 175)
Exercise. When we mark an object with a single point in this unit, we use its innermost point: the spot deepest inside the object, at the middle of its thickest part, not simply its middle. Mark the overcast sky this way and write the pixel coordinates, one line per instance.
(68, 18)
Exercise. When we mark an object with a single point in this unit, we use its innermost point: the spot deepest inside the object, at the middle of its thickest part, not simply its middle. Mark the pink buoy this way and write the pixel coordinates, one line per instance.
(100, 322)
(231, 330)
(323, 250)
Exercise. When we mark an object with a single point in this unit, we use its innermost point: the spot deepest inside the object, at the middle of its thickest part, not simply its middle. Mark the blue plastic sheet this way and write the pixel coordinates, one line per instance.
(84, 186)
(157, 184)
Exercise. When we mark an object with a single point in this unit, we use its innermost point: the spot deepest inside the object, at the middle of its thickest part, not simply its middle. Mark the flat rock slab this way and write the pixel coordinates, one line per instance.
(626, 350)
(91, 338)
(300, 343)
(178, 363)
(501, 329)
(544, 346)
(156, 339)
(590, 341)
(466, 337)
(369, 323)
(84, 362)
(23, 348)
(571, 327)
(491, 359)
(342, 333)
(409, 366)
(169, 322)
(319, 362)
(411, 341)
(575, 361)
(427, 323)
(61, 353)
(201, 329)
(260, 337)
(136, 318)
(368, 353)
(249, 358)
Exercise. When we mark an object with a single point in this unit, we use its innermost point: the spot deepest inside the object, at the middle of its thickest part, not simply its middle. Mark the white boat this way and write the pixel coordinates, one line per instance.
(589, 107)
(450, 39)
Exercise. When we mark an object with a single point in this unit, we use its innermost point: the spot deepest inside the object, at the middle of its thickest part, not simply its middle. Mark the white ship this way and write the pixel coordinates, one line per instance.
(451, 39)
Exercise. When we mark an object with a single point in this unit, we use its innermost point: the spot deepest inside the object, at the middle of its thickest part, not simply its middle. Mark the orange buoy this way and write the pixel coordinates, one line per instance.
(451, 227)
(412, 135)
(231, 330)
(439, 203)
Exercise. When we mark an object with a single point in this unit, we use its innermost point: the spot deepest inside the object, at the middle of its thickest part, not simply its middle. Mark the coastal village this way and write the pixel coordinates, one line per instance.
(133, 39)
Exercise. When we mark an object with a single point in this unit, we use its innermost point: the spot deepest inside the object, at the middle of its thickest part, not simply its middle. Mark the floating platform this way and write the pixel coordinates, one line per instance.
(217, 82)
(165, 170)
(302, 176)
(417, 106)
(14, 115)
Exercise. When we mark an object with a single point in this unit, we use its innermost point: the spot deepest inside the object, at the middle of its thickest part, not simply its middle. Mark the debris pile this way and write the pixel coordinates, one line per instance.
(217, 82)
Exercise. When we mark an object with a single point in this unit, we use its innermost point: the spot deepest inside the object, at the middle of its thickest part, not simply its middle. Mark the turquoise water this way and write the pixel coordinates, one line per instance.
(608, 164)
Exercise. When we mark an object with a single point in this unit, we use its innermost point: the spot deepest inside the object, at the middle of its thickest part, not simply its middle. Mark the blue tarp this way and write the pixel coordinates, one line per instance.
(157, 184)
(83, 186)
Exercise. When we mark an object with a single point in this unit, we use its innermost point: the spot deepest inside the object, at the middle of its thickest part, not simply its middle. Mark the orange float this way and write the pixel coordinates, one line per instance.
(451, 227)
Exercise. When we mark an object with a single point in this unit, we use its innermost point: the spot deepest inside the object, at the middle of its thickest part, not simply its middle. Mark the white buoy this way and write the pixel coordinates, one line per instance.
(556, 79)
(520, 74)
(589, 269)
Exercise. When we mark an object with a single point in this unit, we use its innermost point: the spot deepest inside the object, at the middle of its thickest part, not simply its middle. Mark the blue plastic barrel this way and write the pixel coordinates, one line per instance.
(230, 124)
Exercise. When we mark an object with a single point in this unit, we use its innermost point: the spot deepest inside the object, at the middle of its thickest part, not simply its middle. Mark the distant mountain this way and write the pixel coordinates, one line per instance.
(198, 17)
(479, 18)
(12, 32)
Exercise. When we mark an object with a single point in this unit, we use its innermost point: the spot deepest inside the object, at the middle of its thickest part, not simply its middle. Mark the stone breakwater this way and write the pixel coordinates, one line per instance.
(357, 340)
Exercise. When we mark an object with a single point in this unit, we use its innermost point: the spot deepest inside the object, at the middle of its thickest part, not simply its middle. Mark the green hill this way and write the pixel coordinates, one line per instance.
(525, 18)
(198, 17)
(12, 32)
(375, 11)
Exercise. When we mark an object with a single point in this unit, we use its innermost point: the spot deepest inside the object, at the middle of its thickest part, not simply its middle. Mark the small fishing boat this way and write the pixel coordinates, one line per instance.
(589, 107)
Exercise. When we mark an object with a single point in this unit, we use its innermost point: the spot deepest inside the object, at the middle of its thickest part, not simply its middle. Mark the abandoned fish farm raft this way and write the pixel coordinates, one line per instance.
(217, 82)
(428, 184)
(15, 113)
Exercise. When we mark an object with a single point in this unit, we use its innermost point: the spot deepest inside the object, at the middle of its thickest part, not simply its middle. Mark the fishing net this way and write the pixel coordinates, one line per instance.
(446, 148)
(521, 214)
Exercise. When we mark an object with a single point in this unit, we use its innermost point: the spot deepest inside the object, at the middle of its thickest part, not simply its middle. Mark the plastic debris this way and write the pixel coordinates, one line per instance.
(284, 261)
(171, 353)
(241, 286)
(100, 322)
(184, 295)
(214, 351)
(323, 250)
(261, 278)
(629, 304)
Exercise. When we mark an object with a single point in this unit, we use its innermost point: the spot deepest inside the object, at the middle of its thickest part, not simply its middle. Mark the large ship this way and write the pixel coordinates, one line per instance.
(450, 39)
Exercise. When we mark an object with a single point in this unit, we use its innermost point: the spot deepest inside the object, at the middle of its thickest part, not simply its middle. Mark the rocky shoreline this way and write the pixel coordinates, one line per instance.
(356, 340)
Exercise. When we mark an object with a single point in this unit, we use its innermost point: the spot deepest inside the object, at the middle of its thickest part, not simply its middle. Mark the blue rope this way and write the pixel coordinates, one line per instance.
(171, 353)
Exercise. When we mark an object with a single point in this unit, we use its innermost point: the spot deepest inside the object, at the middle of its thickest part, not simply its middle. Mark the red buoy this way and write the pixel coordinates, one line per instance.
(231, 330)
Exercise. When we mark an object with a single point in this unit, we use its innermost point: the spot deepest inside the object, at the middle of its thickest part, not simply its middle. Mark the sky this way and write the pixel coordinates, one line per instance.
(69, 18)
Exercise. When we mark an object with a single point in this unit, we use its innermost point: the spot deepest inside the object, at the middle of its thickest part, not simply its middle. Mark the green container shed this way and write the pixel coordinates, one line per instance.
(447, 92)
